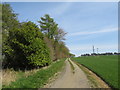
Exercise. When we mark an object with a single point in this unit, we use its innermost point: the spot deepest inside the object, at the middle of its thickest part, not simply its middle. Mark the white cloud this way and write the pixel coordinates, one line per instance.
(94, 32)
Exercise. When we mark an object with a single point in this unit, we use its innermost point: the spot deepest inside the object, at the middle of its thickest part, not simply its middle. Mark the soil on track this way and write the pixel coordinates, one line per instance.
(71, 77)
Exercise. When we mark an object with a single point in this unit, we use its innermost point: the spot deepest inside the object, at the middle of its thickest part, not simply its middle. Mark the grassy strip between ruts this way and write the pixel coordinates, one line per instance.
(73, 68)
(38, 79)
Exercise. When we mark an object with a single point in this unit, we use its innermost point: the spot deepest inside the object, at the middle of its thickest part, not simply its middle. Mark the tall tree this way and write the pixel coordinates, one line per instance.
(48, 26)
(59, 45)
(60, 34)
(9, 22)
(55, 35)
(9, 18)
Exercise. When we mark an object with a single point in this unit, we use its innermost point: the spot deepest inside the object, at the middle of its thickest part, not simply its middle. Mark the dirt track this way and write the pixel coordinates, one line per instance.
(70, 78)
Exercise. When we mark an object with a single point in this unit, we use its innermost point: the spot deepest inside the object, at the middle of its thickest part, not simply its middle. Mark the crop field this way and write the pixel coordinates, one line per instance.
(104, 66)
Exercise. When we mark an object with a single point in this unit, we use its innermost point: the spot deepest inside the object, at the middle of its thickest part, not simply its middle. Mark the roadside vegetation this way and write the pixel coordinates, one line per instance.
(94, 80)
(10, 75)
(27, 47)
(105, 67)
(38, 79)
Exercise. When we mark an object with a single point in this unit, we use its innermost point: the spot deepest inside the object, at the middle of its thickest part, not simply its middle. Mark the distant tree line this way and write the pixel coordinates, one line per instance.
(26, 45)
(96, 54)
(72, 55)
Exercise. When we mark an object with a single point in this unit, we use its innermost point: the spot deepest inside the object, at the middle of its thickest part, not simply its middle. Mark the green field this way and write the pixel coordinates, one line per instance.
(105, 66)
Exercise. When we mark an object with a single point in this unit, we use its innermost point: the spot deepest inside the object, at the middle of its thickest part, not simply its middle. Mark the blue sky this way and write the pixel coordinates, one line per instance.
(87, 23)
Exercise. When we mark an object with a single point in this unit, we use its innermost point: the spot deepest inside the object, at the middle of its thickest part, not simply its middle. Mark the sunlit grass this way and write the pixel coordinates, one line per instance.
(38, 79)
(105, 66)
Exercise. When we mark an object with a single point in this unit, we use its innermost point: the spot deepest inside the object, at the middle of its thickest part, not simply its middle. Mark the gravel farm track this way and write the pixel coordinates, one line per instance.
(70, 77)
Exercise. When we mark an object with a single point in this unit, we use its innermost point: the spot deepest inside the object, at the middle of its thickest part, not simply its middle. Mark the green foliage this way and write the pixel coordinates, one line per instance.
(105, 66)
(9, 18)
(26, 47)
(55, 36)
(48, 26)
(38, 79)
(9, 21)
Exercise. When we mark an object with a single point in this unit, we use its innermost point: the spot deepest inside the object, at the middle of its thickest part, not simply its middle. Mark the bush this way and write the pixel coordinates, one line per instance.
(26, 48)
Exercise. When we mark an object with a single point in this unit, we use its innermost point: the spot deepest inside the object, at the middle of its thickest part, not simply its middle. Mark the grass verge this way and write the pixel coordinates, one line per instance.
(94, 80)
(38, 79)
(106, 67)
(10, 75)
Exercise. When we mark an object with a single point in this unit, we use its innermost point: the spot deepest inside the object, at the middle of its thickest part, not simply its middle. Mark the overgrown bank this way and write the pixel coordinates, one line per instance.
(38, 79)
(27, 45)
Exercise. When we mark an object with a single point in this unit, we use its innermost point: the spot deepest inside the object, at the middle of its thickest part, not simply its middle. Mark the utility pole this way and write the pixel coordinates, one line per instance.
(93, 49)
(97, 50)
